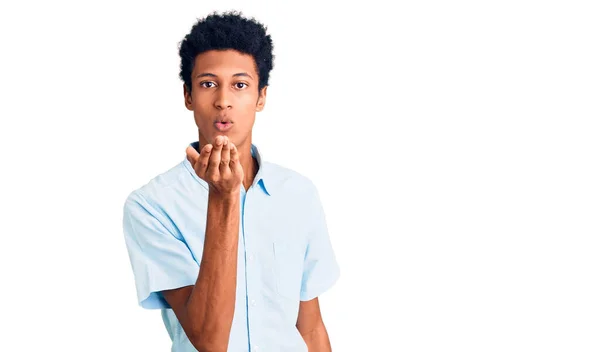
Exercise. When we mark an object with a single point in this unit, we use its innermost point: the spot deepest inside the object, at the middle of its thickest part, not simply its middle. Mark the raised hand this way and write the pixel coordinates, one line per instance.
(219, 165)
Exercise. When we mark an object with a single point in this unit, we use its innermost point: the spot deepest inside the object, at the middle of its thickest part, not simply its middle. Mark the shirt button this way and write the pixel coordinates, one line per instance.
(251, 257)
(253, 303)
(255, 348)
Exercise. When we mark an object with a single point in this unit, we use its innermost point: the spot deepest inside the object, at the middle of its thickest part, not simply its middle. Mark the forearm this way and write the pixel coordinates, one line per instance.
(211, 304)
(317, 339)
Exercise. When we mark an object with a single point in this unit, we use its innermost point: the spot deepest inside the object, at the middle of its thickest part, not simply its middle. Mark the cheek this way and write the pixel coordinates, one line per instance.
(249, 102)
(202, 105)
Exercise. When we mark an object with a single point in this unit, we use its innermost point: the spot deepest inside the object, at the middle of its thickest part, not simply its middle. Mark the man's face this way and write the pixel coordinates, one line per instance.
(225, 96)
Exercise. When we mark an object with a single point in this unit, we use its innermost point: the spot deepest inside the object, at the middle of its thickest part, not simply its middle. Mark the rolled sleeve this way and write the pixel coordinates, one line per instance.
(159, 259)
(321, 269)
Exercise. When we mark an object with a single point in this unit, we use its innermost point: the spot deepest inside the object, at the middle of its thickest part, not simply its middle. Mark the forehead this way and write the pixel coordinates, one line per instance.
(224, 63)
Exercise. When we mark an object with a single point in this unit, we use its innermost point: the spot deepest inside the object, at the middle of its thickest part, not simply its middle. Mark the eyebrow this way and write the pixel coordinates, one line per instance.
(239, 74)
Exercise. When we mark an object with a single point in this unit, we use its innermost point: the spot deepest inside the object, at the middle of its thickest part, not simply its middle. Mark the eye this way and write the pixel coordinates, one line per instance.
(207, 84)
(240, 85)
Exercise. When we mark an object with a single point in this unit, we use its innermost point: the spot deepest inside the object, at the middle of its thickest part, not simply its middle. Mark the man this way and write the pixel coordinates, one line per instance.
(233, 249)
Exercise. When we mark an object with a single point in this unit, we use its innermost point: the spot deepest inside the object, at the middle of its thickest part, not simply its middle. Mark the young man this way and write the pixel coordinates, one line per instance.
(233, 249)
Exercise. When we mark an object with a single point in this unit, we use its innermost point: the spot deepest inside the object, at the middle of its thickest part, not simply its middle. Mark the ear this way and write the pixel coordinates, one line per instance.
(187, 96)
(262, 99)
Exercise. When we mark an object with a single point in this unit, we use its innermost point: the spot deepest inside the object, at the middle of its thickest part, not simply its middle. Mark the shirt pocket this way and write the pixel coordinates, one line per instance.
(289, 268)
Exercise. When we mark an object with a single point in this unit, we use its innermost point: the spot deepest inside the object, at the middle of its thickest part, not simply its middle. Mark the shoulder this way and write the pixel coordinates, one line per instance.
(160, 187)
(290, 181)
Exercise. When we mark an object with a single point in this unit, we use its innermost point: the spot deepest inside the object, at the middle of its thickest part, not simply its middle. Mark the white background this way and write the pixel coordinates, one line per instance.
(455, 145)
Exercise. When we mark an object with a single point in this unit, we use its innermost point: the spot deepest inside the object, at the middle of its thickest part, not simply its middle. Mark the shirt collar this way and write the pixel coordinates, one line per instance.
(263, 177)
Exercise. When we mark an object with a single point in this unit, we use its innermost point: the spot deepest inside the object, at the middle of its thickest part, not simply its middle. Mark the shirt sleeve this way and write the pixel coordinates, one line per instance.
(159, 259)
(321, 269)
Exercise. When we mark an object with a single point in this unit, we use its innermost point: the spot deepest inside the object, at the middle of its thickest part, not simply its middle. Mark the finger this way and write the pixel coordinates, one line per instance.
(192, 155)
(234, 155)
(202, 162)
(215, 159)
(225, 157)
(235, 165)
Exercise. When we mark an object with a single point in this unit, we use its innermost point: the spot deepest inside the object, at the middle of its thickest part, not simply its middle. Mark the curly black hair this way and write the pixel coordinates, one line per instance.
(229, 30)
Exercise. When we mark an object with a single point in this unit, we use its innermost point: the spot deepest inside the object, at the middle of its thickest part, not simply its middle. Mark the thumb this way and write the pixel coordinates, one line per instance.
(192, 155)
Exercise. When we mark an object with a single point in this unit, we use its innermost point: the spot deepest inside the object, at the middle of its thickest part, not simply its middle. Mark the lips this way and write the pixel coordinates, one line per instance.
(223, 125)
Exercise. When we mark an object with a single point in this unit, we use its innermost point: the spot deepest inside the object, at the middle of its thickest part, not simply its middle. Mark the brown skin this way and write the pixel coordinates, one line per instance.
(205, 310)
(311, 327)
(225, 86)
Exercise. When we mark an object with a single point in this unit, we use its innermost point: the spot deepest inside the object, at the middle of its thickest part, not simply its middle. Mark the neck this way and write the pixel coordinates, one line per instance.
(250, 166)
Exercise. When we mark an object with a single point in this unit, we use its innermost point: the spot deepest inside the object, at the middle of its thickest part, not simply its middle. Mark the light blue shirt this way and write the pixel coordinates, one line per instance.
(285, 253)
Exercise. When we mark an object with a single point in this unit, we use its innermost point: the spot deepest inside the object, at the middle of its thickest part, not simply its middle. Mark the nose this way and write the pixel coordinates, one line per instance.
(223, 99)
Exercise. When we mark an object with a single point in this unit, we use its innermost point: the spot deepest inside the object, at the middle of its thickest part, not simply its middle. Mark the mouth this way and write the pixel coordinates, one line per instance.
(223, 124)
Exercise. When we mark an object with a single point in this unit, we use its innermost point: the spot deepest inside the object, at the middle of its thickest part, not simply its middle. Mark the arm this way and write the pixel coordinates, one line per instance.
(321, 271)
(311, 327)
(205, 310)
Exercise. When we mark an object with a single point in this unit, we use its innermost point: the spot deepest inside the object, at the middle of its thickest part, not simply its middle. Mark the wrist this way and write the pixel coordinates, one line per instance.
(224, 198)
